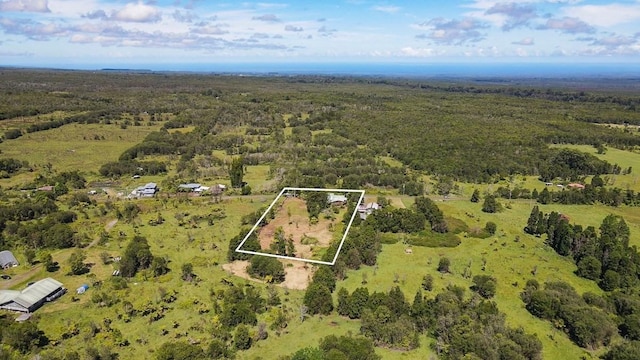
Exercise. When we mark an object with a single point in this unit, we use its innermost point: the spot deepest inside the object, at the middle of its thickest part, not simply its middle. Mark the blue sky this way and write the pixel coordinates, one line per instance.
(111, 33)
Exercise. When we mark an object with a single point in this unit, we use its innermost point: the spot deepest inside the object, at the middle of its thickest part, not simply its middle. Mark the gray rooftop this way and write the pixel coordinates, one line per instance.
(7, 259)
(32, 294)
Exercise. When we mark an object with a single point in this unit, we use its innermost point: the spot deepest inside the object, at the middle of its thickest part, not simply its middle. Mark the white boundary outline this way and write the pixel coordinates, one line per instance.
(344, 236)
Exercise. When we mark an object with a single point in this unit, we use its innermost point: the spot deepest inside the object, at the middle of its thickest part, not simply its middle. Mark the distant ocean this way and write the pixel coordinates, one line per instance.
(410, 70)
(525, 70)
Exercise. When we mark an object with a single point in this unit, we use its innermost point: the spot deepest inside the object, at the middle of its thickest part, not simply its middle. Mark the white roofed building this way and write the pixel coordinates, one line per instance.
(33, 297)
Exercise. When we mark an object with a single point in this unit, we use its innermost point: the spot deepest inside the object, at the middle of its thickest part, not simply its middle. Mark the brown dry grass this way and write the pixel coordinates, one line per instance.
(297, 274)
(293, 217)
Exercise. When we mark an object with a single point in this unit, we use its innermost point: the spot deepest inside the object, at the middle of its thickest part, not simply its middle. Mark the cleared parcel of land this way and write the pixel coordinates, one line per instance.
(303, 224)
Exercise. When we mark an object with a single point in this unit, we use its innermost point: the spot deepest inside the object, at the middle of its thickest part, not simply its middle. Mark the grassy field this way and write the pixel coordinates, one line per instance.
(83, 147)
(197, 230)
(623, 158)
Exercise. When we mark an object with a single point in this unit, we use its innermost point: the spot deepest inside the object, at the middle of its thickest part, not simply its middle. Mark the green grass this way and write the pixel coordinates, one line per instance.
(623, 158)
(72, 146)
(205, 246)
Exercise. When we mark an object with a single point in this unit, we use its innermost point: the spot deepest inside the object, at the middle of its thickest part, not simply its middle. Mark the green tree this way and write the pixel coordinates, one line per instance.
(187, 271)
(316, 202)
(358, 301)
(318, 299)
(47, 261)
(343, 302)
(427, 282)
(159, 265)
(76, 263)
(545, 196)
(218, 350)
(308, 353)
(589, 267)
(242, 340)
(491, 205)
(30, 255)
(484, 285)
(490, 227)
(349, 347)
(324, 275)
(610, 280)
(475, 197)
(24, 337)
(532, 222)
(236, 172)
(136, 256)
(179, 350)
(597, 181)
(265, 266)
(627, 350)
(444, 264)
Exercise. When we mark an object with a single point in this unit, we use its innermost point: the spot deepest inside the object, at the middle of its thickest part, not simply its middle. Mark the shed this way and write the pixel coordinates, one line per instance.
(33, 297)
(336, 199)
(7, 259)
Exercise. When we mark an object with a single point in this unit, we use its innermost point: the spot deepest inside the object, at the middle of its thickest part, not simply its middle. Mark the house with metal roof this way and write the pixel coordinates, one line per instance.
(33, 297)
(336, 199)
(148, 190)
(7, 259)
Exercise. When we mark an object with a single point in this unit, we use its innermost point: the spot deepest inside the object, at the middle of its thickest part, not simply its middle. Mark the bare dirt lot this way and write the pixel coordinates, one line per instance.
(297, 274)
(292, 216)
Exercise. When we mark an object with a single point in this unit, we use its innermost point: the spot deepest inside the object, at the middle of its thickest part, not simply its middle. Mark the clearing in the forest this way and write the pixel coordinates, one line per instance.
(305, 223)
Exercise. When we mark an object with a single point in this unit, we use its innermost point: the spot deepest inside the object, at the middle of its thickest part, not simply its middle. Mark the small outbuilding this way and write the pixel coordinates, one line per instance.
(7, 260)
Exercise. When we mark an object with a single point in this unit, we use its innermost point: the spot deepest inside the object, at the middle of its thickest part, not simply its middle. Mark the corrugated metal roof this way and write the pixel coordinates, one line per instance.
(7, 258)
(8, 295)
(31, 295)
(37, 291)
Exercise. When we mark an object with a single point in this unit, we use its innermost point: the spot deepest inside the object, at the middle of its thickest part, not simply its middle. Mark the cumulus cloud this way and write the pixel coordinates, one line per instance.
(137, 12)
(260, 36)
(568, 25)
(267, 18)
(293, 28)
(387, 9)
(517, 15)
(325, 31)
(417, 52)
(32, 29)
(184, 16)
(209, 30)
(98, 14)
(25, 6)
(614, 41)
(525, 42)
(453, 32)
(606, 15)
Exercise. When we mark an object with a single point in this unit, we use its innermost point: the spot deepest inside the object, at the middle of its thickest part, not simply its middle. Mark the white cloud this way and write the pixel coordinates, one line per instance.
(293, 28)
(528, 41)
(606, 15)
(267, 18)
(24, 5)
(417, 52)
(387, 9)
(137, 12)
(569, 25)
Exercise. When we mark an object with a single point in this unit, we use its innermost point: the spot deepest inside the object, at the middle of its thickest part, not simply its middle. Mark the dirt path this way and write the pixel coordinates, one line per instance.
(107, 228)
(20, 278)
